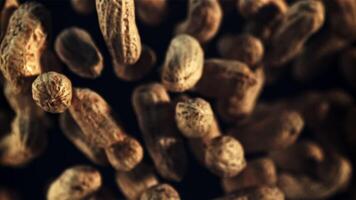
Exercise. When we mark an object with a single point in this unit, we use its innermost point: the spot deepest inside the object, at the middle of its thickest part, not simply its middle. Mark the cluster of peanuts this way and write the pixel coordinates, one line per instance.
(288, 148)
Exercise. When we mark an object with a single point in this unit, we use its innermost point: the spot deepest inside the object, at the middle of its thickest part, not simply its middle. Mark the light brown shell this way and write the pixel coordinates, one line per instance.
(52, 92)
(183, 65)
(118, 26)
(160, 192)
(23, 44)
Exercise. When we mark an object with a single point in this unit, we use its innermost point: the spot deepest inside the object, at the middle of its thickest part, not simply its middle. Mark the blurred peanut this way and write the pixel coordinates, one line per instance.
(271, 131)
(77, 50)
(256, 193)
(83, 7)
(258, 172)
(244, 48)
(165, 146)
(23, 45)
(203, 20)
(302, 20)
(74, 134)
(133, 183)
(162, 192)
(151, 12)
(222, 155)
(75, 183)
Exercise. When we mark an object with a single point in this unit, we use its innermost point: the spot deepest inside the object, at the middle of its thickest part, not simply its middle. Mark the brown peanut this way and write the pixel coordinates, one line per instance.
(132, 184)
(76, 49)
(244, 48)
(95, 118)
(165, 146)
(52, 92)
(9, 194)
(23, 44)
(74, 134)
(258, 172)
(256, 193)
(27, 139)
(151, 12)
(223, 78)
(257, 8)
(271, 131)
(183, 65)
(333, 174)
(118, 27)
(242, 103)
(83, 7)
(162, 192)
(222, 155)
(203, 20)
(302, 20)
(75, 183)
(7, 7)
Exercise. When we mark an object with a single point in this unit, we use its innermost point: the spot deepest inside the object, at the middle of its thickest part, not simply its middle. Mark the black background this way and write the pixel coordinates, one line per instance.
(31, 181)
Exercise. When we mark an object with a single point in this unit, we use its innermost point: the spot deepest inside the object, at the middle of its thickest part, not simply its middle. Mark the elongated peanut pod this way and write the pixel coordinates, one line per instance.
(271, 132)
(258, 172)
(76, 182)
(118, 26)
(75, 135)
(7, 7)
(23, 45)
(76, 48)
(222, 155)
(133, 183)
(203, 20)
(183, 65)
(163, 141)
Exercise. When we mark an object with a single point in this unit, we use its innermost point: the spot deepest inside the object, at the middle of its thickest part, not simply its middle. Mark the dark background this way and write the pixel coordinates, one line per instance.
(31, 181)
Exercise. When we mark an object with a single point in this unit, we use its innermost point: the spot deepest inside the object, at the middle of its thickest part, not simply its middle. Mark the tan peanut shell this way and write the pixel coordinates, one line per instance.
(74, 134)
(76, 48)
(125, 155)
(256, 193)
(242, 103)
(151, 12)
(183, 65)
(23, 44)
(76, 182)
(165, 146)
(256, 8)
(301, 20)
(258, 172)
(299, 157)
(7, 7)
(133, 183)
(118, 27)
(52, 92)
(223, 78)
(194, 117)
(333, 175)
(27, 139)
(162, 192)
(224, 156)
(203, 20)
(94, 117)
(245, 48)
(270, 132)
